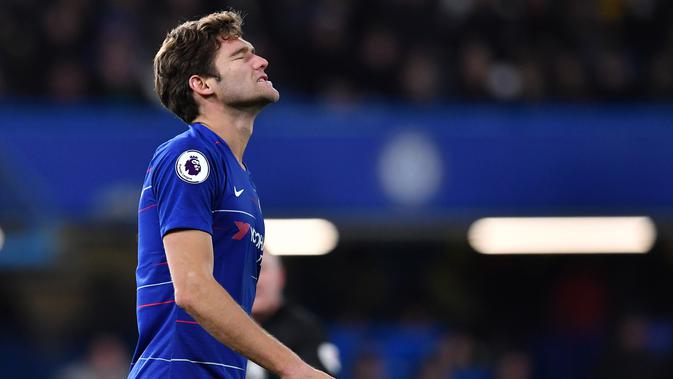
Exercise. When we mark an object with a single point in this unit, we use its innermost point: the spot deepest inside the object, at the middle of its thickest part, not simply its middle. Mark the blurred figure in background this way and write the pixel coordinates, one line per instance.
(293, 325)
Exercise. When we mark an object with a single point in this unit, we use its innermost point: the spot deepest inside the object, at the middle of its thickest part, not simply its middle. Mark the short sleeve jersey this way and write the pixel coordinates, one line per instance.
(194, 182)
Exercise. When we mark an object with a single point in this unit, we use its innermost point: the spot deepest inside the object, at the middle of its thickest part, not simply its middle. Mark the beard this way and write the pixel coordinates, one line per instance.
(256, 100)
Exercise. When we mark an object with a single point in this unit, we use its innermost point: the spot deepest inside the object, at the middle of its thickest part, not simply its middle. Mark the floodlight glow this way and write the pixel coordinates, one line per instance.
(2, 238)
(309, 236)
(562, 235)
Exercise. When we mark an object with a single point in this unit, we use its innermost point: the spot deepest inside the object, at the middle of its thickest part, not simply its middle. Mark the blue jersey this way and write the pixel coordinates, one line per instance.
(194, 182)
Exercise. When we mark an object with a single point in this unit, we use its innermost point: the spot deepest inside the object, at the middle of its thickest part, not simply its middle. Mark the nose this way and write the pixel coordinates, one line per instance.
(261, 63)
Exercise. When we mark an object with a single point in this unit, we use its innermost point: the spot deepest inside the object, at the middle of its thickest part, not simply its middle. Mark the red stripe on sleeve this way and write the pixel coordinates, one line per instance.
(154, 304)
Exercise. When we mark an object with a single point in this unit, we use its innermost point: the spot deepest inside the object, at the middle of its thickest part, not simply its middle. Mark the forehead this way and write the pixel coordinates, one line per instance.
(231, 45)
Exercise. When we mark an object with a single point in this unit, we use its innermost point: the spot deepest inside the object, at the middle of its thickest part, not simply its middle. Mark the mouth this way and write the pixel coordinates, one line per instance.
(263, 78)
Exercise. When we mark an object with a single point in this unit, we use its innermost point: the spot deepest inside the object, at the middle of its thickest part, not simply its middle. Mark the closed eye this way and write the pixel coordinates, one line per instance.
(243, 52)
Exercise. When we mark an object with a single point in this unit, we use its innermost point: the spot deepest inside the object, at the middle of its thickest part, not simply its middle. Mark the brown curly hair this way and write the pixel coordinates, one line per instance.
(188, 50)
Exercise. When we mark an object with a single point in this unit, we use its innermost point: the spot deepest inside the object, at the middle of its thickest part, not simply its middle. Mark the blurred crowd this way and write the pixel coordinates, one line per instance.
(632, 350)
(634, 353)
(347, 50)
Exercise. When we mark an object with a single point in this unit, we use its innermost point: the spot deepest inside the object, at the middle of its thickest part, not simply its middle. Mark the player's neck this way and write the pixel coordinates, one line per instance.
(233, 126)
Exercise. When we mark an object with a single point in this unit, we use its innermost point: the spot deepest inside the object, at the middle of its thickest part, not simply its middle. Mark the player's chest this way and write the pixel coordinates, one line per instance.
(238, 197)
(238, 214)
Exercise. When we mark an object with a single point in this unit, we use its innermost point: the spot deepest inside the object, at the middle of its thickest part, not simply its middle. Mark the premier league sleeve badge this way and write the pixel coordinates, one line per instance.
(192, 167)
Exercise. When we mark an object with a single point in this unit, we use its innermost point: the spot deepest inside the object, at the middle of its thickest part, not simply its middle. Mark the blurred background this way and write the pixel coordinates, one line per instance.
(402, 122)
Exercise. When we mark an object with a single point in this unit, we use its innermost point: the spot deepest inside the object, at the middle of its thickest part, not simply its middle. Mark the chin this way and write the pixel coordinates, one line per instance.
(273, 95)
(267, 98)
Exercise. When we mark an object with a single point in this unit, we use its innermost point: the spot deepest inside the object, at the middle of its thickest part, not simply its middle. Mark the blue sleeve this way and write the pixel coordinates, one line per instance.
(184, 183)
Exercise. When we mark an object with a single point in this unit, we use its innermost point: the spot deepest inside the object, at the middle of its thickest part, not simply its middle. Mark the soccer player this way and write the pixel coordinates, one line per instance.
(200, 226)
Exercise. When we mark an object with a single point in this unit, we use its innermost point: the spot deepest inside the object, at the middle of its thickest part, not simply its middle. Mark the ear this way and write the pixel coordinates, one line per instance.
(200, 85)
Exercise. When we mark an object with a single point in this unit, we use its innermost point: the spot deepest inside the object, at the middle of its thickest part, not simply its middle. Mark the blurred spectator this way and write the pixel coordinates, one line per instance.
(613, 74)
(63, 25)
(379, 57)
(475, 60)
(421, 78)
(291, 324)
(328, 28)
(117, 66)
(569, 76)
(67, 81)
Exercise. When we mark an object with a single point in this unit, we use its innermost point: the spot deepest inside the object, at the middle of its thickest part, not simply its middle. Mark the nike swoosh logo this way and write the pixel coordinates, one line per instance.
(238, 193)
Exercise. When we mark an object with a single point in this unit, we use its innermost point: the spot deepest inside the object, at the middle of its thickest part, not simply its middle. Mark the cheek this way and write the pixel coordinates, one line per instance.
(233, 83)
(231, 73)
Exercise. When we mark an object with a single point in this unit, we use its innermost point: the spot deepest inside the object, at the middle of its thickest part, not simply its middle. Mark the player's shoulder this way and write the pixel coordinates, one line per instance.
(189, 154)
(188, 144)
(187, 140)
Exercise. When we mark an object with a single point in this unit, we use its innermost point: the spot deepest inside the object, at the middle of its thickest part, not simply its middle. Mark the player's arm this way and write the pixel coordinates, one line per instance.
(190, 260)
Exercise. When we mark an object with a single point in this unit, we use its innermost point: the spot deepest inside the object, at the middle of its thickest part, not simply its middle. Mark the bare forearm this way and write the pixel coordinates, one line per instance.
(190, 260)
(222, 317)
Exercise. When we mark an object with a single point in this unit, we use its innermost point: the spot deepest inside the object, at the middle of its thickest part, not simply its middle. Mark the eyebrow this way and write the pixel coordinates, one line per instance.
(243, 49)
